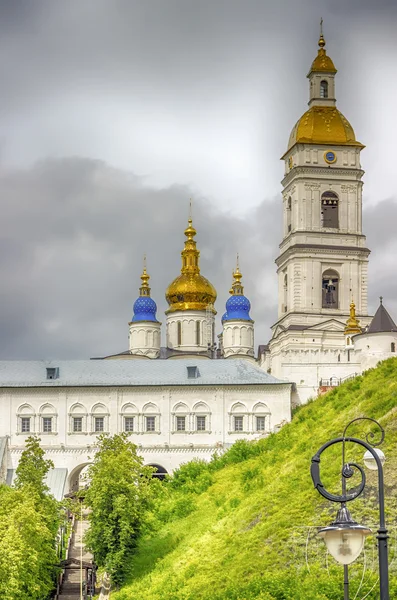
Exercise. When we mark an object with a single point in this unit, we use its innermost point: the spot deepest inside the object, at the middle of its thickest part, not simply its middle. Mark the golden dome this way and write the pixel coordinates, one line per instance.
(352, 323)
(190, 291)
(323, 125)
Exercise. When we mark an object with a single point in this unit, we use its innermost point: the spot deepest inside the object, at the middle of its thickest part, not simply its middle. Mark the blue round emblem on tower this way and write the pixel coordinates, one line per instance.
(330, 157)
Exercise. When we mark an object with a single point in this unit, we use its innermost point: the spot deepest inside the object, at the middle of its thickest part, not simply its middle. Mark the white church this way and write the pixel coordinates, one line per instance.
(197, 392)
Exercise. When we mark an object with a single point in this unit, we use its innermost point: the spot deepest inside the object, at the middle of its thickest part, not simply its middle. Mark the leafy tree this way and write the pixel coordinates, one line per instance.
(29, 520)
(33, 467)
(121, 490)
(27, 548)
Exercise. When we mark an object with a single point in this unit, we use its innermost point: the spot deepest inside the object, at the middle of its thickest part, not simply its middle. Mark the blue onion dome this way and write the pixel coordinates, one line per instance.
(238, 305)
(144, 307)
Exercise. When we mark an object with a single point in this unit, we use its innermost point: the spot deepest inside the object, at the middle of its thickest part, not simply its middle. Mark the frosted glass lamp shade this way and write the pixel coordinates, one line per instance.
(345, 545)
(344, 537)
(370, 462)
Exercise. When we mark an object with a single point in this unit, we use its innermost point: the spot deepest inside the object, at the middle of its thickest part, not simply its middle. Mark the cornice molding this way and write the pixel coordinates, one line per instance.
(319, 249)
(298, 173)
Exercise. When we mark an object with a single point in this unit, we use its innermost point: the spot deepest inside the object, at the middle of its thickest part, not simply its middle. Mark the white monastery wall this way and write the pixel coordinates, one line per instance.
(209, 417)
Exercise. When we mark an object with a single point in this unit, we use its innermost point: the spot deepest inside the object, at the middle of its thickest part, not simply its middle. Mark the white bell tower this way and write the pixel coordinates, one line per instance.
(323, 258)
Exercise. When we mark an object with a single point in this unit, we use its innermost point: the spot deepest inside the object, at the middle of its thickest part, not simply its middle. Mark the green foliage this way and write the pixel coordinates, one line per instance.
(33, 467)
(193, 477)
(252, 532)
(29, 520)
(121, 490)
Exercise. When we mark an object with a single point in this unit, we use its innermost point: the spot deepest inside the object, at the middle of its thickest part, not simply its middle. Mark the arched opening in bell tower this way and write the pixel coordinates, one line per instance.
(324, 89)
(285, 304)
(289, 210)
(330, 289)
(330, 210)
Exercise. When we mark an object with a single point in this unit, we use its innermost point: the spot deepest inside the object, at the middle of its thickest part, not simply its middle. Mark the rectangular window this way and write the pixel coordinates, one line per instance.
(25, 424)
(77, 424)
(47, 424)
(150, 423)
(181, 423)
(99, 424)
(238, 423)
(260, 423)
(201, 424)
(129, 424)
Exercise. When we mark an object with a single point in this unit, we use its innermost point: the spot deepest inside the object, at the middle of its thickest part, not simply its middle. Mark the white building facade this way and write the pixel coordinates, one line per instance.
(174, 410)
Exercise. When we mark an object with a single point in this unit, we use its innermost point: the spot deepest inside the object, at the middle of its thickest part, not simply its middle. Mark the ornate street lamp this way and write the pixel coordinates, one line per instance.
(344, 537)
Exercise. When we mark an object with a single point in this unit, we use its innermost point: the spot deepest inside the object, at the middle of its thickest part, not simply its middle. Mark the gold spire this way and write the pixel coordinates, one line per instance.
(144, 290)
(190, 291)
(237, 287)
(352, 323)
(322, 62)
(321, 41)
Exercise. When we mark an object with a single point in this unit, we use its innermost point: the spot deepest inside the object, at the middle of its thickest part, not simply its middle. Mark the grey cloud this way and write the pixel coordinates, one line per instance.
(75, 231)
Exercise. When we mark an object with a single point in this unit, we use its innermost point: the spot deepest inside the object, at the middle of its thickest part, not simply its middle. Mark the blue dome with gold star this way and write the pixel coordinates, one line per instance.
(238, 305)
(144, 307)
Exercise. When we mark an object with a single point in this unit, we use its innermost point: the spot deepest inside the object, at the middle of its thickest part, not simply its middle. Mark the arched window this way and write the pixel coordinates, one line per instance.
(289, 210)
(261, 418)
(78, 419)
(129, 418)
(330, 210)
(179, 329)
(26, 419)
(285, 305)
(47, 423)
(202, 417)
(198, 335)
(330, 289)
(324, 89)
(392, 347)
(238, 418)
(180, 414)
(151, 418)
(99, 419)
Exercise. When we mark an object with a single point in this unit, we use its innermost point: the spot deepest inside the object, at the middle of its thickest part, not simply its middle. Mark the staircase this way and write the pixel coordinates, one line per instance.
(77, 557)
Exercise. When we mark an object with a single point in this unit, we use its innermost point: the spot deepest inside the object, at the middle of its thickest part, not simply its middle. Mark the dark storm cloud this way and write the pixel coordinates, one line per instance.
(74, 233)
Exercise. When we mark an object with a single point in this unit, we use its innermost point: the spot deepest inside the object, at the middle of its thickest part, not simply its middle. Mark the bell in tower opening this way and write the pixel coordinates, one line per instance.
(330, 289)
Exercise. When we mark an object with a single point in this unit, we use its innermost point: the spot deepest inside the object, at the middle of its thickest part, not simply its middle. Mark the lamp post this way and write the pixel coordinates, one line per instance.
(344, 537)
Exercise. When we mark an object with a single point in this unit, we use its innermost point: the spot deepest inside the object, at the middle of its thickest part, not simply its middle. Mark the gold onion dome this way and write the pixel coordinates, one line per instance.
(190, 291)
(352, 323)
(323, 124)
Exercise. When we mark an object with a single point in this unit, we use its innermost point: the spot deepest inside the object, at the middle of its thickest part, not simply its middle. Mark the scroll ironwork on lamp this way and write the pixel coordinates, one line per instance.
(344, 537)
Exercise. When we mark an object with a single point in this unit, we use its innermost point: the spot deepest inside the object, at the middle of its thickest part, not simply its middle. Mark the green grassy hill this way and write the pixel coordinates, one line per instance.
(244, 527)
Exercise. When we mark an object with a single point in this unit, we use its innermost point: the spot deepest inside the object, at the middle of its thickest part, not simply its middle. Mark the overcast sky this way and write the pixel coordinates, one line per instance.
(114, 112)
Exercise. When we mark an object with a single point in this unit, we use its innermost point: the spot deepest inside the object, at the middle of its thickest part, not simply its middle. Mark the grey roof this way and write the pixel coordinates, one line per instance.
(55, 479)
(382, 321)
(130, 372)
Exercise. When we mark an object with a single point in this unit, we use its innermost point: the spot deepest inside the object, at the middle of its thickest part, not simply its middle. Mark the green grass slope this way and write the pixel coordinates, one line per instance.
(244, 527)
